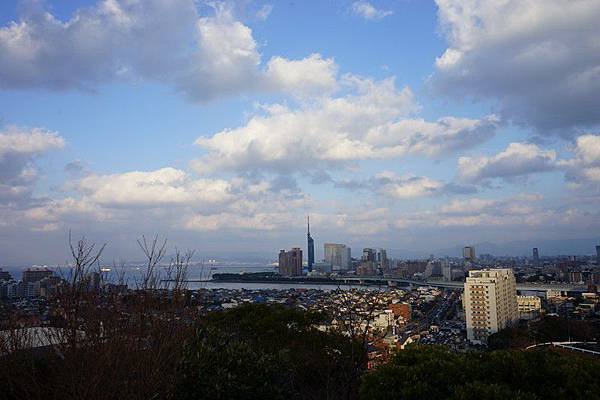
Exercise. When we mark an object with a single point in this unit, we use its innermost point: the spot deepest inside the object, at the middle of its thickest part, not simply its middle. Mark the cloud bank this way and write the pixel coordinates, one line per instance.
(538, 59)
(202, 56)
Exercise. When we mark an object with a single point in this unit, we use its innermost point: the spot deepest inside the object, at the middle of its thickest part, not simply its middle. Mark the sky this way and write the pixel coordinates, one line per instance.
(411, 125)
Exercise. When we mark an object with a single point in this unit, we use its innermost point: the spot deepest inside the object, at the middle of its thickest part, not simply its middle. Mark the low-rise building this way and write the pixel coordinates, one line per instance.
(529, 306)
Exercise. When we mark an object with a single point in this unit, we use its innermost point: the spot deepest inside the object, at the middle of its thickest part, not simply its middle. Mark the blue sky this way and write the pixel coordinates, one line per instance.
(400, 124)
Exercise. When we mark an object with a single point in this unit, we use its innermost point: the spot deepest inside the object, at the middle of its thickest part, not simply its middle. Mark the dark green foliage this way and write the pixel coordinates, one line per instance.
(268, 352)
(546, 329)
(435, 373)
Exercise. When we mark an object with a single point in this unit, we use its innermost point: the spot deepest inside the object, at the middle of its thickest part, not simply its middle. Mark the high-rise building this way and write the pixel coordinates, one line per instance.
(469, 253)
(598, 254)
(382, 260)
(5, 275)
(369, 255)
(338, 255)
(368, 262)
(536, 257)
(446, 271)
(348, 258)
(490, 301)
(35, 274)
(290, 262)
(311, 247)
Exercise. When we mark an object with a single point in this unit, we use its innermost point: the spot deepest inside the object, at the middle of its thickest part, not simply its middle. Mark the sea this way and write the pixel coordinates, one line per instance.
(199, 276)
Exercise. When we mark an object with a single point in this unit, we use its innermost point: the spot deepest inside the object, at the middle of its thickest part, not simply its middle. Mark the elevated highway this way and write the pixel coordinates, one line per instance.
(574, 346)
(391, 281)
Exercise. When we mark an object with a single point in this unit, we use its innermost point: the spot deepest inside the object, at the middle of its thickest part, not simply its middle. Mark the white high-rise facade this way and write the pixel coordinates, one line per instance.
(490, 301)
(338, 255)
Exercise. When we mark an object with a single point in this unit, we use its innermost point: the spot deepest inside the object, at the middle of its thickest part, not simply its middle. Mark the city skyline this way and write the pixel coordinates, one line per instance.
(412, 126)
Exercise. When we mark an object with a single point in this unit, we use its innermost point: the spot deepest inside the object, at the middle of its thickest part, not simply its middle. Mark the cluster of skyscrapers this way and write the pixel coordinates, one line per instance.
(337, 257)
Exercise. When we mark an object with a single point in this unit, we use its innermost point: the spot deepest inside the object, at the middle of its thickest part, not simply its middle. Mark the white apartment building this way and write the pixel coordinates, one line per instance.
(490, 302)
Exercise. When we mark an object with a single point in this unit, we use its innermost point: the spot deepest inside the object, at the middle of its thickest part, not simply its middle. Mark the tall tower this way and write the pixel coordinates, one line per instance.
(311, 246)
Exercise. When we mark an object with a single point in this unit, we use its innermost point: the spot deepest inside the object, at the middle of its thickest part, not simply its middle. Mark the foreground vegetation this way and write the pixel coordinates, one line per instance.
(268, 352)
(435, 373)
(273, 352)
(543, 330)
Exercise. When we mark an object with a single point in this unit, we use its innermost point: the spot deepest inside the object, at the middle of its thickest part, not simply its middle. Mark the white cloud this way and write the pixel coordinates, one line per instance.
(166, 186)
(518, 159)
(261, 221)
(204, 57)
(30, 142)
(310, 75)
(264, 12)
(368, 11)
(18, 149)
(467, 206)
(172, 198)
(226, 60)
(166, 199)
(585, 165)
(110, 40)
(588, 149)
(446, 135)
(540, 59)
(407, 187)
(521, 210)
(368, 121)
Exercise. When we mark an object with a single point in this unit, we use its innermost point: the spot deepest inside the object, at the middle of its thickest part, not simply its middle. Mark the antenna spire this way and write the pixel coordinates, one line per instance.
(308, 223)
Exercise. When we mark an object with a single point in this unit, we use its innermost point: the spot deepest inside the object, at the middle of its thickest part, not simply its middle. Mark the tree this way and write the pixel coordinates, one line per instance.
(435, 373)
(268, 352)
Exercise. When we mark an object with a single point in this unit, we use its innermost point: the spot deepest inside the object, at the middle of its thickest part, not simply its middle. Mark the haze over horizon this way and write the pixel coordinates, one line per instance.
(410, 125)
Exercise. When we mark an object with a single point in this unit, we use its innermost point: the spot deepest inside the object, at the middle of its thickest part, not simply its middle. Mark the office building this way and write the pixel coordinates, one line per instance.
(536, 257)
(290, 262)
(338, 255)
(598, 254)
(490, 301)
(469, 253)
(311, 247)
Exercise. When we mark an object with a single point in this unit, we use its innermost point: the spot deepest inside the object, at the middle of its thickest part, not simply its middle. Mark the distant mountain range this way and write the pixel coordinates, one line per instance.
(513, 248)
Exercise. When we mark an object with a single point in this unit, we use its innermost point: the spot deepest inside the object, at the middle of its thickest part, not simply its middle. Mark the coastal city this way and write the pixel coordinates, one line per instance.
(300, 200)
(455, 302)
